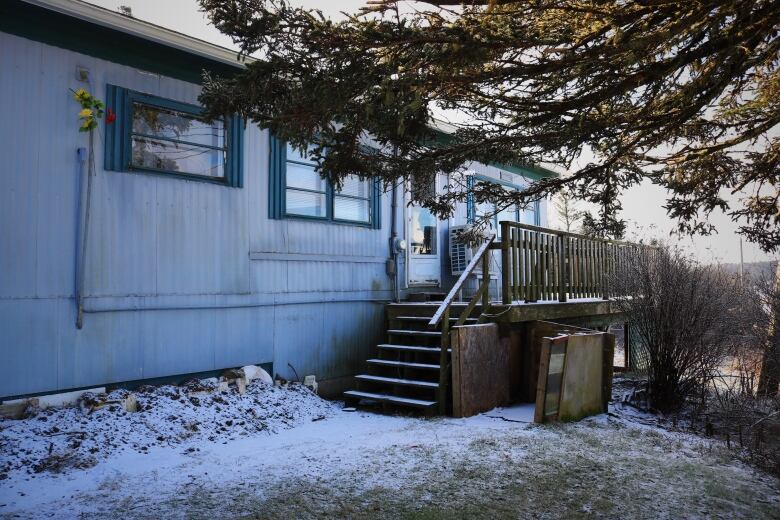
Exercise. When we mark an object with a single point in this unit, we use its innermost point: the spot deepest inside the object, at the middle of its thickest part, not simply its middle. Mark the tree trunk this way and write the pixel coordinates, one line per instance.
(769, 380)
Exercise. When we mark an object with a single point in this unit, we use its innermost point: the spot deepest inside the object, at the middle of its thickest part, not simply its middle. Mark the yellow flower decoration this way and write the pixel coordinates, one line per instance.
(91, 109)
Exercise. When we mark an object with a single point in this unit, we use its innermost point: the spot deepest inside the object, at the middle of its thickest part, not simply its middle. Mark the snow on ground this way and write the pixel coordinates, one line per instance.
(55, 440)
(367, 465)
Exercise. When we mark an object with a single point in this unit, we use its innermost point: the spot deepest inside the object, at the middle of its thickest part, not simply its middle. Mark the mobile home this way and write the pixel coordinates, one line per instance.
(178, 247)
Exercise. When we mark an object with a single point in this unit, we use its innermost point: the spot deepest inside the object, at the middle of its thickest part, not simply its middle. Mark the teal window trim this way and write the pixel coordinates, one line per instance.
(277, 194)
(118, 139)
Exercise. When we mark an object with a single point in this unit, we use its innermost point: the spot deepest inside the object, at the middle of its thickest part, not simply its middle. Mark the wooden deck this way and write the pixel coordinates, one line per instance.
(585, 311)
(546, 276)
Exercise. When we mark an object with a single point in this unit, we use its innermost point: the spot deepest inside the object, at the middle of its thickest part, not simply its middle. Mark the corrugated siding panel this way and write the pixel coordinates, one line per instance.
(19, 198)
(158, 242)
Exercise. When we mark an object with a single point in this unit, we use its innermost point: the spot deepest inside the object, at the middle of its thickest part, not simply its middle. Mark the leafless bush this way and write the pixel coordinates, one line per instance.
(744, 419)
(743, 405)
(682, 320)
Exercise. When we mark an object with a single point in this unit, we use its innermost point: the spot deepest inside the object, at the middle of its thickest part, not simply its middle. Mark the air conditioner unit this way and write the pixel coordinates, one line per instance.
(461, 254)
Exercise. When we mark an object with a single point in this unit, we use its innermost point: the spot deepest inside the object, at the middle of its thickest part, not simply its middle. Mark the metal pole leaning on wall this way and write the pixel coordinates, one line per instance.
(85, 234)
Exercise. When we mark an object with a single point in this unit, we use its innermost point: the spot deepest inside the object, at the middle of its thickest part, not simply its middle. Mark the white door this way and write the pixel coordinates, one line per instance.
(424, 265)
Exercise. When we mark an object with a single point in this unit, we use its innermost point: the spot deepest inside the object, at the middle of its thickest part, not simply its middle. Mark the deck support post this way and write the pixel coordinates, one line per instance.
(444, 362)
(506, 267)
(626, 346)
(564, 267)
(486, 280)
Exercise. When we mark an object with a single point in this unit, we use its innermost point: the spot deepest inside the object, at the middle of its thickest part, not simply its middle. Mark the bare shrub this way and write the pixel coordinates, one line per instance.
(682, 320)
(767, 325)
(743, 405)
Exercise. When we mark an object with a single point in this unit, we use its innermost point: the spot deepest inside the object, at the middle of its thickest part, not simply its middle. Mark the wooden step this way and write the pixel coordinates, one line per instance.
(402, 364)
(396, 381)
(427, 319)
(422, 333)
(411, 348)
(394, 399)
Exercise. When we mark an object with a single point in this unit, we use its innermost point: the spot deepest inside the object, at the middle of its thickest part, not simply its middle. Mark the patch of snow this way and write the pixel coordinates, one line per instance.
(520, 413)
(56, 440)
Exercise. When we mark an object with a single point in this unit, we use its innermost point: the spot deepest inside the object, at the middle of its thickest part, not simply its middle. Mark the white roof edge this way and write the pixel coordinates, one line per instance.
(140, 28)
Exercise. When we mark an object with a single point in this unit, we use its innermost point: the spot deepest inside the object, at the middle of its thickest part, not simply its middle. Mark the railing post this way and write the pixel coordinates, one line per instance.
(443, 362)
(564, 250)
(486, 278)
(606, 272)
(506, 268)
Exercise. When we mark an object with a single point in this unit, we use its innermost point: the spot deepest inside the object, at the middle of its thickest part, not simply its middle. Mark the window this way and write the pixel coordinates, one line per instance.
(298, 191)
(529, 215)
(162, 136)
(306, 193)
(353, 201)
(424, 224)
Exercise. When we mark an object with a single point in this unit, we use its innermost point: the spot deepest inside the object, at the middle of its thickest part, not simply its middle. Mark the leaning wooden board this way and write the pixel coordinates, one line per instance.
(550, 380)
(573, 381)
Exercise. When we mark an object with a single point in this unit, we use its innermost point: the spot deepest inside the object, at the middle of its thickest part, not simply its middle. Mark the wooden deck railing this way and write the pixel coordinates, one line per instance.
(540, 264)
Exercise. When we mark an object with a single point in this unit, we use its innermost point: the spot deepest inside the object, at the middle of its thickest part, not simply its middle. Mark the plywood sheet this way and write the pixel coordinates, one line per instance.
(583, 385)
(531, 351)
(551, 366)
(480, 369)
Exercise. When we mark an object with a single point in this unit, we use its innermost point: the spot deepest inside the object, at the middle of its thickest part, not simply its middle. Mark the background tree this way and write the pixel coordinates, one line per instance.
(567, 210)
(685, 94)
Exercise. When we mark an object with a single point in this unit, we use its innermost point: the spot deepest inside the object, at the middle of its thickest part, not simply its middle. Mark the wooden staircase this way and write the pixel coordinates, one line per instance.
(406, 371)
(412, 370)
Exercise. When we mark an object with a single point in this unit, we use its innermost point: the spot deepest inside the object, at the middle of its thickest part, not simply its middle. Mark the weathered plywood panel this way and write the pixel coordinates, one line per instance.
(581, 394)
(480, 369)
(531, 353)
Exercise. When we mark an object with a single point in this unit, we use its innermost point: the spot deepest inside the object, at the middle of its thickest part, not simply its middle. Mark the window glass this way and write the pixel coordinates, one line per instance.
(306, 203)
(423, 231)
(177, 157)
(353, 201)
(174, 141)
(486, 208)
(509, 214)
(356, 187)
(304, 177)
(345, 208)
(306, 192)
(294, 155)
(528, 214)
(171, 124)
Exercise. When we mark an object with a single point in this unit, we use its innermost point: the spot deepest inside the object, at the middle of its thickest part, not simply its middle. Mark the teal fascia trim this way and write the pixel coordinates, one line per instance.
(493, 180)
(67, 32)
(533, 172)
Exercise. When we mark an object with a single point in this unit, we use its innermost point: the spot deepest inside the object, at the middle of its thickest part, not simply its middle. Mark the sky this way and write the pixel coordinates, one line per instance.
(642, 205)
